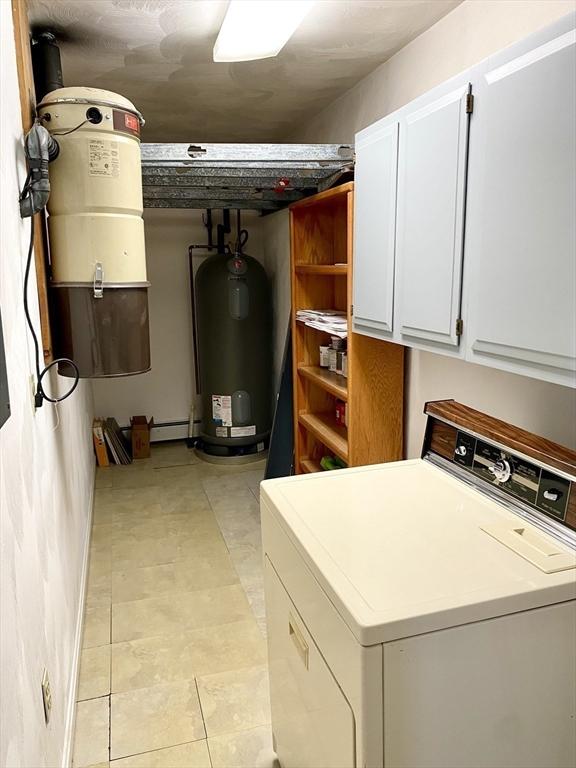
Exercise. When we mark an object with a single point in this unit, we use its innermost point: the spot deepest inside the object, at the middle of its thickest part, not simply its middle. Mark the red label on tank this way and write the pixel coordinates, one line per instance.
(131, 122)
(126, 122)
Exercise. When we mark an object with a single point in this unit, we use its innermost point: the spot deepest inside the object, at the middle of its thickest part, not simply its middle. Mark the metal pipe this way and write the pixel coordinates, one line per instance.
(191, 249)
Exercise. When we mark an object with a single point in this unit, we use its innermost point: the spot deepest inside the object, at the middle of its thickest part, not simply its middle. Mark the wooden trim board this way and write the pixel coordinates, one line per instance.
(27, 108)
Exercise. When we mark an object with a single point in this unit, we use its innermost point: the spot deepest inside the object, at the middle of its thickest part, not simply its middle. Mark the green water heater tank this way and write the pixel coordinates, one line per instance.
(234, 337)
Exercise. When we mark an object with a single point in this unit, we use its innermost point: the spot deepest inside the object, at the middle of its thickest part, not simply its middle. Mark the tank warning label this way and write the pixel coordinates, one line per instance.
(222, 410)
(103, 158)
(221, 431)
(243, 431)
(125, 122)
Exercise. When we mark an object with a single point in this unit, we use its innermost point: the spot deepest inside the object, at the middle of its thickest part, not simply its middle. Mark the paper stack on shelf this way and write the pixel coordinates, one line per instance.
(331, 321)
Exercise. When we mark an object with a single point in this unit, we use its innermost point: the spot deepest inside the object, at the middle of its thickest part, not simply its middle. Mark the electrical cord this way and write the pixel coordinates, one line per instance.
(40, 394)
(65, 133)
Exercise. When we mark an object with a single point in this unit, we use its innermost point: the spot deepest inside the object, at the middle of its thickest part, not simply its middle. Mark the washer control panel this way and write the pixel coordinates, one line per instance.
(514, 475)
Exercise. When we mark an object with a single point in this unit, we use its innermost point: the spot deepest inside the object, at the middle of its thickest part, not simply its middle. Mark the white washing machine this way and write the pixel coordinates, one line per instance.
(423, 613)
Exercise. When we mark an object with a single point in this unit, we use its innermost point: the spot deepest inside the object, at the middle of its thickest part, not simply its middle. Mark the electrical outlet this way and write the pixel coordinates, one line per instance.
(46, 696)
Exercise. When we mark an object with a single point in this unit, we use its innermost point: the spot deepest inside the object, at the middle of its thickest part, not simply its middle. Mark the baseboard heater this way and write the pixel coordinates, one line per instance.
(166, 430)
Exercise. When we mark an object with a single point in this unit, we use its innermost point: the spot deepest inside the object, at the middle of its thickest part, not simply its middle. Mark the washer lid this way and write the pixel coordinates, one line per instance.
(402, 549)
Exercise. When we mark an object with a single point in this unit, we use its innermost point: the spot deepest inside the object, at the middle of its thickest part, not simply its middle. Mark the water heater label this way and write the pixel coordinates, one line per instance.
(103, 158)
(222, 410)
(221, 431)
(243, 431)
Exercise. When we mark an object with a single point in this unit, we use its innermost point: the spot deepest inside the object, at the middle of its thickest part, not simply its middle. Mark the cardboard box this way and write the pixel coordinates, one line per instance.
(141, 437)
(99, 443)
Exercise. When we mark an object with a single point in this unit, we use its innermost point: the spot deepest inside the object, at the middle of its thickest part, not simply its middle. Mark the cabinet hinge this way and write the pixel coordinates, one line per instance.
(351, 310)
(459, 326)
(469, 103)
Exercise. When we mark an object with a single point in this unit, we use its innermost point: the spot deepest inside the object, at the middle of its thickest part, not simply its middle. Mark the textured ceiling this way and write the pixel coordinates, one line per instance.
(158, 53)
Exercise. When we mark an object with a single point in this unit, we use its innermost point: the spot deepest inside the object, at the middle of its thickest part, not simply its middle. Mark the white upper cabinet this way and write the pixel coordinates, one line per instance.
(521, 224)
(375, 227)
(431, 205)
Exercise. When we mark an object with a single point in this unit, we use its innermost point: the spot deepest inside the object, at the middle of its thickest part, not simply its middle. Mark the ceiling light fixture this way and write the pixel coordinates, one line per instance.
(258, 29)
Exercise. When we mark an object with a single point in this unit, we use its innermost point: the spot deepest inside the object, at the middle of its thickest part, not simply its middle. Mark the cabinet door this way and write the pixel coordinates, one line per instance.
(521, 231)
(375, 227)
(431, 201)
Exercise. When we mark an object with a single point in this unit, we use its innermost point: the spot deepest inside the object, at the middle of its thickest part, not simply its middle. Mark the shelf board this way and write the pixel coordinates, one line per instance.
(327, 380)
(321, 269)
(341, 191)
(308, 465)
(322, 426)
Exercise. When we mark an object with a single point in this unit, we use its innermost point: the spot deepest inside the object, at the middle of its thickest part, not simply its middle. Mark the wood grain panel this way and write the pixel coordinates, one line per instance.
(441, 440)
(321, 269)
(324, 427)
(27, 108)
(517, 439)
(325, 379)
(375, 397)
(321, 197)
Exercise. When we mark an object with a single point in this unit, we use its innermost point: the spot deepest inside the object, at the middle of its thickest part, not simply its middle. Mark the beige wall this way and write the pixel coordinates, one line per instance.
(471, 32)
(46, 482)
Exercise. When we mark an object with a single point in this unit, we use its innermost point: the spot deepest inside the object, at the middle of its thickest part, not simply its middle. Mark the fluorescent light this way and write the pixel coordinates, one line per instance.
(258, 29)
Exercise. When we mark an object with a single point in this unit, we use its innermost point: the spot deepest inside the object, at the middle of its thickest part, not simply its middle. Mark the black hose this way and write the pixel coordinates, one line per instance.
(41, 395)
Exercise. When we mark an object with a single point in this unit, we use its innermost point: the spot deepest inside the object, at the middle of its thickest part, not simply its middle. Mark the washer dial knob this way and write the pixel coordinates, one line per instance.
(501, 470)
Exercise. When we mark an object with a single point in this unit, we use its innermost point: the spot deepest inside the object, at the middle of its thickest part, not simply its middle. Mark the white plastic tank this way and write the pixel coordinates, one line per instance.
(99, 285)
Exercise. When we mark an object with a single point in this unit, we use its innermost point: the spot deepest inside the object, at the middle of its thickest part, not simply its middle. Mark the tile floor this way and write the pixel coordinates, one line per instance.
(173, 670)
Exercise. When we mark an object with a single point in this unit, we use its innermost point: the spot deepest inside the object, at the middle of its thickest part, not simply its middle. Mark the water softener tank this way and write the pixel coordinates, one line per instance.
(99, 287)
(233, 316)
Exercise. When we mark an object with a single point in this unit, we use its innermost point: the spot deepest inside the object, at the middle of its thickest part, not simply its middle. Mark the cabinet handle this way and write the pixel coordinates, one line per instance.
(298, 640)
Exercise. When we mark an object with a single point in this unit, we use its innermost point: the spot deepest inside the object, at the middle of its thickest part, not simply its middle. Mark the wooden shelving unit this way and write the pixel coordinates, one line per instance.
(321, 251)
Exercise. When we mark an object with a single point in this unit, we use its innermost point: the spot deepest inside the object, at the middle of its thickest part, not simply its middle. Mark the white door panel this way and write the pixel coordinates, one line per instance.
(312, 721)
(375, 226)
(521, 231)
(431, 201)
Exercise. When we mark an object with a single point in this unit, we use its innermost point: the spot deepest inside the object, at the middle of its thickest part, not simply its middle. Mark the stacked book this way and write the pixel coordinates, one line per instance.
(331, 321)
(110, 443)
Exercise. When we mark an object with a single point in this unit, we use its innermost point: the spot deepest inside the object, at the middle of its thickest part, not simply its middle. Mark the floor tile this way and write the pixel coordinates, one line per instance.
(101, 535)
(180, 576)
(158, 502)
(103, 477)
(254, 589)
(99, 585)
(177, 612)
(143, 663)
(129, 553)
(176, 521)
(246, 749)
(102, 513)
(92, 732)
(192, 755)
(176, 548)
(153, 718)
(235, 701)
(94, 679)
(96, 625)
